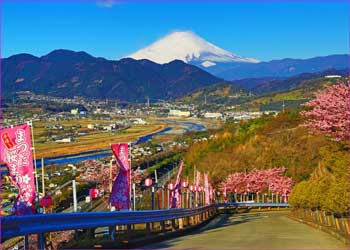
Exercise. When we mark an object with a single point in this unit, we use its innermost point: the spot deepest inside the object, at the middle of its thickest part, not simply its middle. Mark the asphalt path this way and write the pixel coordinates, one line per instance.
(268, 230)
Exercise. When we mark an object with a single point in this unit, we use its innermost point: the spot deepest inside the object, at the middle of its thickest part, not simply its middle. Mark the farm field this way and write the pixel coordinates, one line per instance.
(93, 140)
(97, 139)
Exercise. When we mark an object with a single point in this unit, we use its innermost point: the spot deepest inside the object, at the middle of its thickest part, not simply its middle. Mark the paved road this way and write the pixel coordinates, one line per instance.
(253, 231)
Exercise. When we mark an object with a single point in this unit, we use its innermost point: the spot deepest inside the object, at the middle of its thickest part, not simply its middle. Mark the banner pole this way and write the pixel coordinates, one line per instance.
(134, 194)
(30, 123)
(155, 176)
(129, 148)
(110, 175)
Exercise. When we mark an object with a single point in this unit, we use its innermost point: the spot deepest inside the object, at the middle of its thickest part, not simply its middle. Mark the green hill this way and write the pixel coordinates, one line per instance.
(220, 93)
(291, 98)
(279, 141)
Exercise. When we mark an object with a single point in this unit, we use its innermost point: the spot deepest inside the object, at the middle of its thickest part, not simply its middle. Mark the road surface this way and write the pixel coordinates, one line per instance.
(270, 230)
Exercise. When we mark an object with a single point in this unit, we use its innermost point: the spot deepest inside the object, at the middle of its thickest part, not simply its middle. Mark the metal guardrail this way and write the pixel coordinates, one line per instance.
(251, 204)
(13, 226)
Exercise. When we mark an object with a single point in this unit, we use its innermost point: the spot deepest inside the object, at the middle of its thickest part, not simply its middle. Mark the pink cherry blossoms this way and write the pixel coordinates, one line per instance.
(137, 175)
(97, 171)
(258, 181)
(330, 113)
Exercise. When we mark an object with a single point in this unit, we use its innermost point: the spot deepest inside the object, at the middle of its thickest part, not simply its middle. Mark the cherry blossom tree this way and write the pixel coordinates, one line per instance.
(330, 112)
(137, 175)
(258, 181)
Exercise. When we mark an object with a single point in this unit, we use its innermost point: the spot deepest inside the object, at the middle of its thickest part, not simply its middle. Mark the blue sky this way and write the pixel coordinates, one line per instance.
(263, 30)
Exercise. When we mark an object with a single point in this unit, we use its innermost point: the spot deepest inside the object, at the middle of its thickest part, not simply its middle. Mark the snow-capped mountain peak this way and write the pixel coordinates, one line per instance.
(188, 47)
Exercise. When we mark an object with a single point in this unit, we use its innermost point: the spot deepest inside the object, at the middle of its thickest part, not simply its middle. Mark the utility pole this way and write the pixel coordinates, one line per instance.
(155, 176)
(75, 205)
(43, 180)
(283, 106)
(42, 176)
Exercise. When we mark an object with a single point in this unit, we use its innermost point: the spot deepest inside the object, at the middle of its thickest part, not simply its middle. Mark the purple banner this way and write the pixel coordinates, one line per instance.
(16, 153)
(120, 196)
(176, 194)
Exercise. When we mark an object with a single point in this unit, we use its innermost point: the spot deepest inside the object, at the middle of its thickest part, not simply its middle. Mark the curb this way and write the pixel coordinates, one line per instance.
(343, 238)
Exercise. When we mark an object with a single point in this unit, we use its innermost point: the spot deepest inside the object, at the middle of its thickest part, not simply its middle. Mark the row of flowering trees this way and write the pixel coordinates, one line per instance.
(259, 181)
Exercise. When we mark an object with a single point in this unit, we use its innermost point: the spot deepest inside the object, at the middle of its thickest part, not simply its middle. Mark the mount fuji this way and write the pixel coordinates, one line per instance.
(189, 48)
(192, 49)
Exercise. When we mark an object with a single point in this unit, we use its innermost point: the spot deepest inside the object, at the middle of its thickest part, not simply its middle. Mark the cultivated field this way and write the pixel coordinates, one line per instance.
(93, 140)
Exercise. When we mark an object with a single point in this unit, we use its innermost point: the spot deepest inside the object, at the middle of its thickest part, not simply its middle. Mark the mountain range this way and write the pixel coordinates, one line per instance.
(193, 49)
(265, 85)
(68, 73)
(286, 67)
(174, 66)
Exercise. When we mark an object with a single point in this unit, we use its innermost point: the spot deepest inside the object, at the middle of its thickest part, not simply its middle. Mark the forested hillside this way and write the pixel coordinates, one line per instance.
(263, 143)
(280, 141)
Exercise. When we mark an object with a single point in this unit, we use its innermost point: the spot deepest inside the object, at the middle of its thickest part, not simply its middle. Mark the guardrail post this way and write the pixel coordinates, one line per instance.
(173, 225)
(148, 228)
(91, 232)
(347, 225)
(112, 232)
(337, 226)
(128, 231)
(342, 223)
(162, 226)
(26, 242)
(41, 241)
(181, 223)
